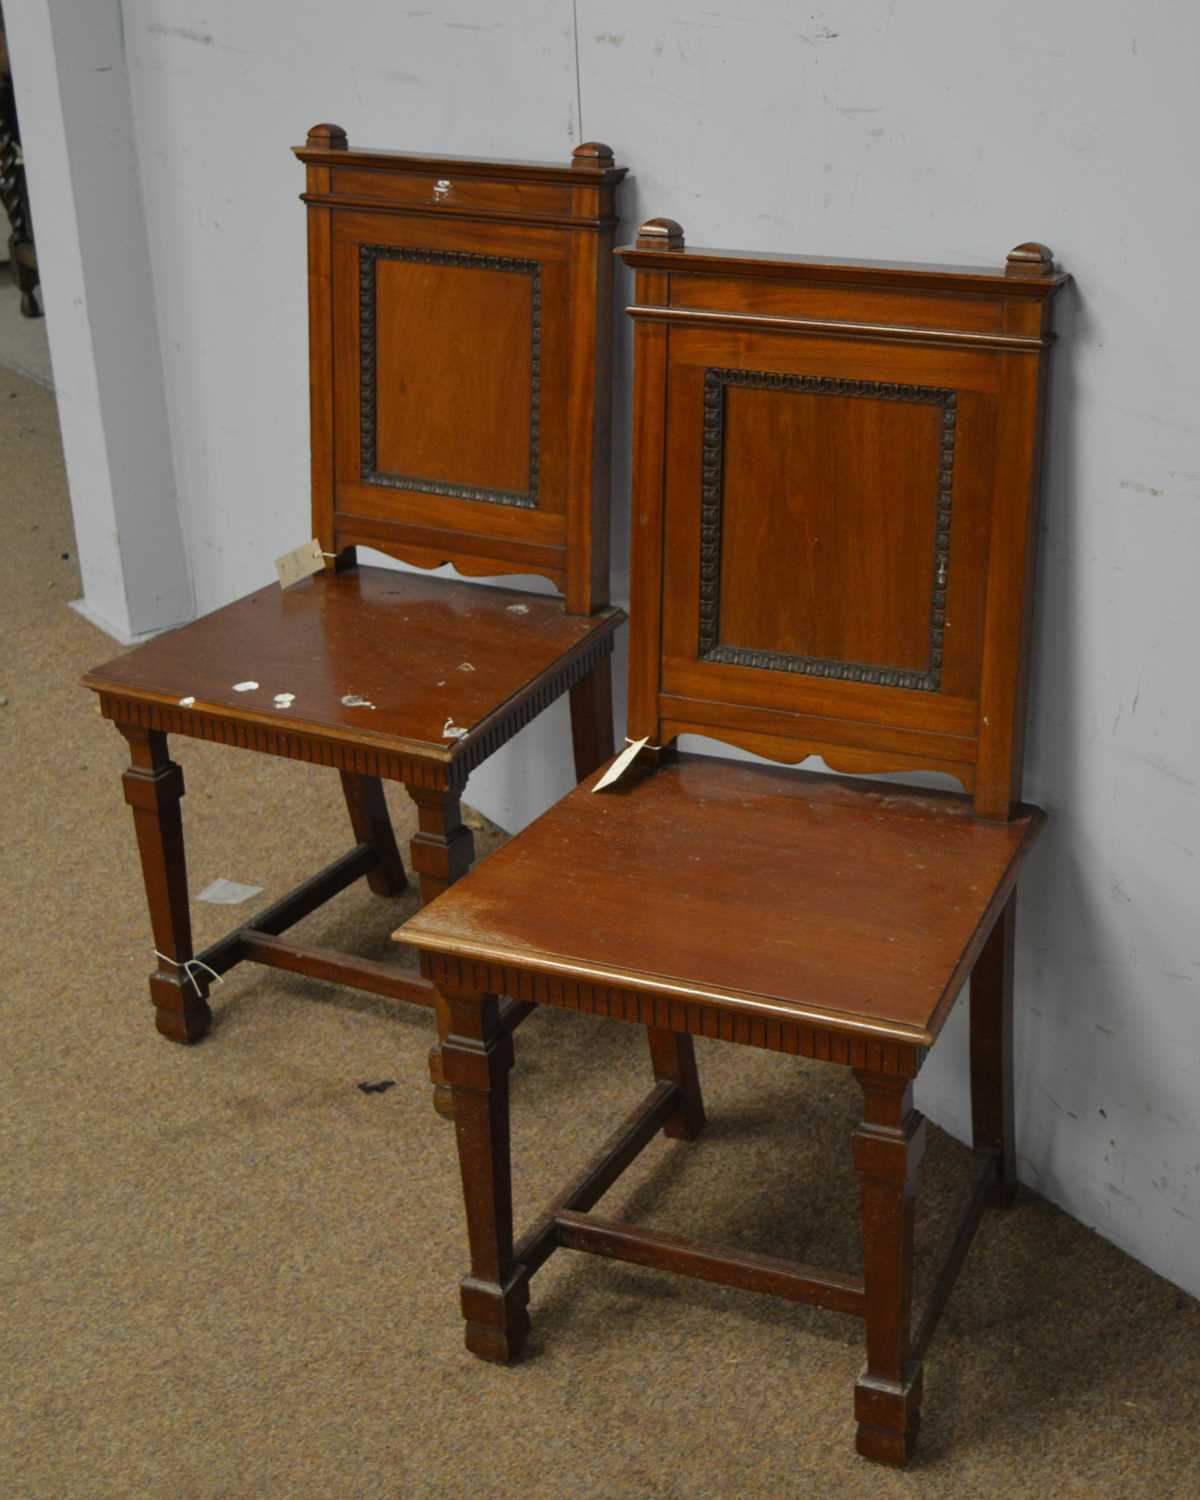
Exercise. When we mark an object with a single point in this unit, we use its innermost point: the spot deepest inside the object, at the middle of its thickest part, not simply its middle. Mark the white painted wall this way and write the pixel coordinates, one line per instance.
(914, 129)
(77, 130)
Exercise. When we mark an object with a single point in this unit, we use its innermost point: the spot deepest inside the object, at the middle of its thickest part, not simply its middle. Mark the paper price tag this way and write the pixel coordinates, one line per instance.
(621, 764)
(303, 562)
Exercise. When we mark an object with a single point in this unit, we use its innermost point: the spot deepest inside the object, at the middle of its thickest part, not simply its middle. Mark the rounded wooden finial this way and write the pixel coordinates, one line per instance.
(660, 234)
(592, 154)
(1030, 259)
(331, 137)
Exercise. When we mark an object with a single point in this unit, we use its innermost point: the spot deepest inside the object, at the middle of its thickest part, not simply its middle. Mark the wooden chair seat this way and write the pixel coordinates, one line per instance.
(430, 655)
(830, 946)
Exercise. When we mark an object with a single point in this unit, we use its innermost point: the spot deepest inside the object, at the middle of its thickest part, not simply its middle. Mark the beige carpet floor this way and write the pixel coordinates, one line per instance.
(227, 1272)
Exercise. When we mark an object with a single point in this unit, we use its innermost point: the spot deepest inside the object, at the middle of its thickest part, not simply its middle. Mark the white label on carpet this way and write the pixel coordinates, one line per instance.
(227, 893)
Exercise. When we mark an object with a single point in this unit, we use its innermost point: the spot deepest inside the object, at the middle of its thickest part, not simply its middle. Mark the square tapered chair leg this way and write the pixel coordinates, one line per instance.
(887, 1153)
(153, 788)
(477, 1057)
(367, 806)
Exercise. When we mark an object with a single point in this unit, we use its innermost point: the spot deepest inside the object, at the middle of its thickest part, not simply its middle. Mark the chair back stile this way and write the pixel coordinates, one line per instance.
(835, 506)
(459, 360)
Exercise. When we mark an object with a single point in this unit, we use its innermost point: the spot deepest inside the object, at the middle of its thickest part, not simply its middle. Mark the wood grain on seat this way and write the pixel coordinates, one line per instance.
(426, 652)
(857, 904)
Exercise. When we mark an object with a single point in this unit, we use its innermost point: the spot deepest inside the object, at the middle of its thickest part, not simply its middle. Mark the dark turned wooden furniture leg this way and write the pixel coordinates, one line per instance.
(369, 818)
(442, 851)
(992, 1122)
(887, 1152)
(477, 1055)
(443, 847)
(443, 1098)
(153, 786)
(592, 719)
(673, 1058)
(14, 194)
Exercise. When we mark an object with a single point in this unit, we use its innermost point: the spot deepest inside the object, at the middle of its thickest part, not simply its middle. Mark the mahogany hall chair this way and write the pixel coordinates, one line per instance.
(835, 482)
(459, 340)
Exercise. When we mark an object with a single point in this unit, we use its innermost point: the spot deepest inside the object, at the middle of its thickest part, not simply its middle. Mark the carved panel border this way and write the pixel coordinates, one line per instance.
(716, 382)
(368, 257)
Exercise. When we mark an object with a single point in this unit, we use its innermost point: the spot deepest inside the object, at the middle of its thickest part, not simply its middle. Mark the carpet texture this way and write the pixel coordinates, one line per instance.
(227, 1272)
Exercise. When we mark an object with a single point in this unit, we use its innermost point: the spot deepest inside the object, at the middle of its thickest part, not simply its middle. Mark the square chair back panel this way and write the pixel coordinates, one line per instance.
(836, 555)
(459, 317)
